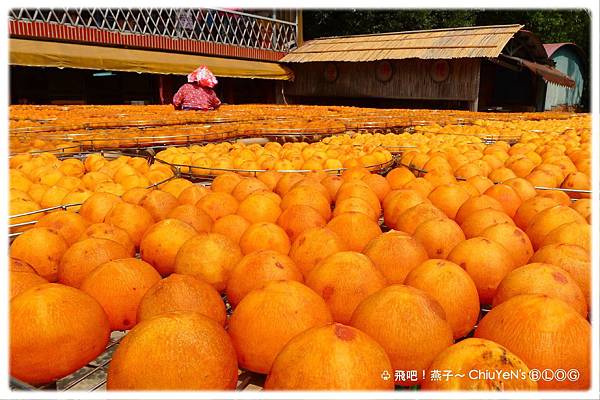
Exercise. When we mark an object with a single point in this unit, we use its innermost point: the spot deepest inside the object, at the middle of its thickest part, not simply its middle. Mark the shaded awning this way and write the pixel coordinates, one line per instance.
(549, 74)
(69, 55)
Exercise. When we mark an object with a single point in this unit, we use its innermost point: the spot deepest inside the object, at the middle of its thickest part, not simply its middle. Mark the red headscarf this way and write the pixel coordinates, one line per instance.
(203, 76)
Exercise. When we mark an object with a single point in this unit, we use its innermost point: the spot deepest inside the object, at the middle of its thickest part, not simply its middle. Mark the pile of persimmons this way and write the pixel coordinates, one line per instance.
(350, 281)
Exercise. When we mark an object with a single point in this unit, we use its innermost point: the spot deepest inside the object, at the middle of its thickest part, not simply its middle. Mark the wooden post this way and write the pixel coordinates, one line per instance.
(165, 89)
(279, 93)
(540, 93)
(299, 28)
(474, 105)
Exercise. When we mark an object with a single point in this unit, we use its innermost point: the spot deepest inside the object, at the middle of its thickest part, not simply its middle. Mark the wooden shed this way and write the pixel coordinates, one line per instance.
(570, 60)
(500, 67)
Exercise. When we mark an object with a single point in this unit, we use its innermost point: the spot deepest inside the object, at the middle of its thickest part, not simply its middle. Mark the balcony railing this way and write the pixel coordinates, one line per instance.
(207, 24)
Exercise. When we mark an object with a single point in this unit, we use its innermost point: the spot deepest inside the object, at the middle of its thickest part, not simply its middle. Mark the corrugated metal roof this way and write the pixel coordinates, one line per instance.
(549, 74)
(469, 42)
(552, 48)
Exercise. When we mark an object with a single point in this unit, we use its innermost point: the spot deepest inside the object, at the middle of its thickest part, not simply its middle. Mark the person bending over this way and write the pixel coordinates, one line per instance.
(198, 94)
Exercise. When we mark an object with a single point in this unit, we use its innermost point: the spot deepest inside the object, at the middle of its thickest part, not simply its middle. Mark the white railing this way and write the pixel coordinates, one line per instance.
(206, 24)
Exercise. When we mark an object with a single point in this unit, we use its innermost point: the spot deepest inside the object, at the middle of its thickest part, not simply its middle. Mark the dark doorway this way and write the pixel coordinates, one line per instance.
(507, 89)
(37, 85)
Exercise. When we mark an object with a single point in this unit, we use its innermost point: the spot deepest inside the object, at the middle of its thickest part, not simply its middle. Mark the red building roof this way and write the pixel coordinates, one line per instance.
(551, 48)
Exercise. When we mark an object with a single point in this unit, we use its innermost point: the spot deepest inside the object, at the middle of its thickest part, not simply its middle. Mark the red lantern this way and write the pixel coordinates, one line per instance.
(440, 71)
(384, 71)
(331, 72)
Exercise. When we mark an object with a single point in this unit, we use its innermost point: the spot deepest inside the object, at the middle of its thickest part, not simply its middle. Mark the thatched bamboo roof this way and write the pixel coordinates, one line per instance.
(469, 42)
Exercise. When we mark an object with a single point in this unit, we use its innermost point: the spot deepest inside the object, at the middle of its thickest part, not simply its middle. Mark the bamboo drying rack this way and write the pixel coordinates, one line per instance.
(80, 155)
(419, 172)
(208, 176)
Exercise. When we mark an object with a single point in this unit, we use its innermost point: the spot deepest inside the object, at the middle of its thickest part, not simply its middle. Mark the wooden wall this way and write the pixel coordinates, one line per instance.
(411, 80)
